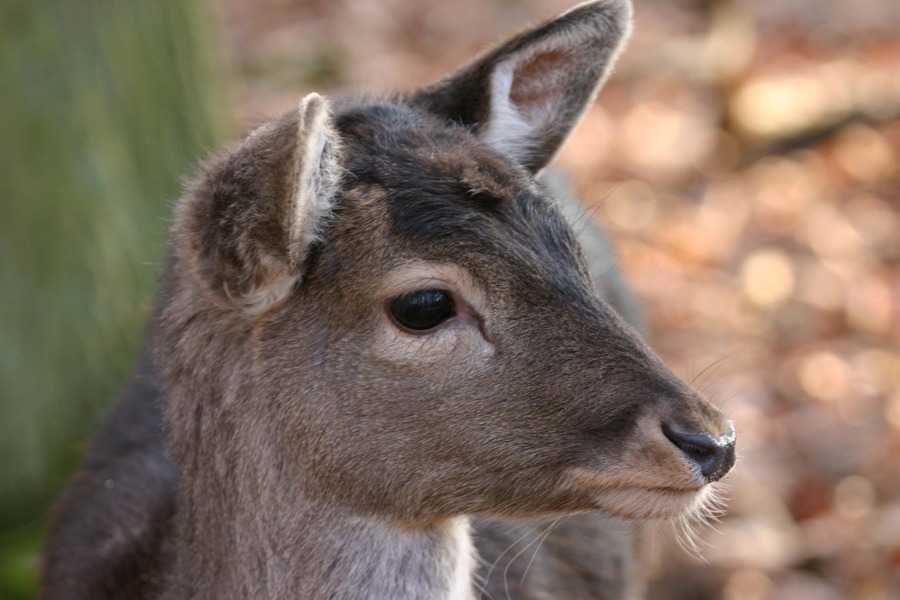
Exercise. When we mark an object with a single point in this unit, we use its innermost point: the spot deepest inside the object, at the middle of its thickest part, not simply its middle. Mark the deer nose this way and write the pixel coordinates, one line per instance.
(714, 456)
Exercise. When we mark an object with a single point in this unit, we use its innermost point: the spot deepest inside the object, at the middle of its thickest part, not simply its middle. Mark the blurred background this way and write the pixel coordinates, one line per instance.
(744, 156)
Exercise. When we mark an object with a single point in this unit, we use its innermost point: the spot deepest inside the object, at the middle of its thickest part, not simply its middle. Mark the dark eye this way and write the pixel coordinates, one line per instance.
(423, 309)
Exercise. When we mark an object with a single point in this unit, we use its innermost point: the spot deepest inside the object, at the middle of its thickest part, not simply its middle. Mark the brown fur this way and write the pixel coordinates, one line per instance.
(316, 449)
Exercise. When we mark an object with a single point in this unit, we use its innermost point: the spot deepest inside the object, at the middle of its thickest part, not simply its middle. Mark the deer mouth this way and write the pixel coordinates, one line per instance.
(630, 499)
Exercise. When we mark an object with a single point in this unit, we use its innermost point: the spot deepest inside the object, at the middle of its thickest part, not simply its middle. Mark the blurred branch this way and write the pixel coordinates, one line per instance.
(822, 131)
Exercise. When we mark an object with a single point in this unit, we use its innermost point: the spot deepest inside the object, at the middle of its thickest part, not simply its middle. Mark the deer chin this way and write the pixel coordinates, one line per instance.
(651, 504)
(635, 500)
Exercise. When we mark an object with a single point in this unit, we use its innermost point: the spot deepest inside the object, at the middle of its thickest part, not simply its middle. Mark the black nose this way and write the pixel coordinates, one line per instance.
(714, 456)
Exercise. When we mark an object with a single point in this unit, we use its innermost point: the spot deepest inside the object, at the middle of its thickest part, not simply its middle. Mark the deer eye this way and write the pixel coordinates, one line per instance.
(423, 309)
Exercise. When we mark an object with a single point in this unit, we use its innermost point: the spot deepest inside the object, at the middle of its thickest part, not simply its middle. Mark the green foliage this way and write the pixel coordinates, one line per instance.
(104, 105)
(18, 563)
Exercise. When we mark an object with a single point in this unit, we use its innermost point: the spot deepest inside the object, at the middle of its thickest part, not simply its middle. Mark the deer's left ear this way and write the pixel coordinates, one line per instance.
(249, 220)
(525, 96)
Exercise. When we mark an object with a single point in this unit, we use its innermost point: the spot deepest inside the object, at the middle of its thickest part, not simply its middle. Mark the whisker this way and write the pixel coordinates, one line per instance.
(518, 554)
(494, 564)
(543, 538)
(701, 379)
(480, 582)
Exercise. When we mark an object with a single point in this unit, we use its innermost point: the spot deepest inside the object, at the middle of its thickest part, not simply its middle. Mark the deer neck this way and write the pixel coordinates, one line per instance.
(244, 529)
(323, 552)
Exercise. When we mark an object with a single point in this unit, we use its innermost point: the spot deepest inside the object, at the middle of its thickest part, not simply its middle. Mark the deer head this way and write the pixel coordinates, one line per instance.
(376, 306)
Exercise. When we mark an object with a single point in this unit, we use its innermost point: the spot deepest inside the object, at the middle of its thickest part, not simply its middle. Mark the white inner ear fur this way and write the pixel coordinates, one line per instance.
(509, 131)
(317, 175)
(516, 130)
(316, 178)
(277, 286)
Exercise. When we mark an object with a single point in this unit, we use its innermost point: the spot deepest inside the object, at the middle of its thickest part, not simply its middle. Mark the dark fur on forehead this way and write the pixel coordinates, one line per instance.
(435, 175)
(398, 147)
(451, 195)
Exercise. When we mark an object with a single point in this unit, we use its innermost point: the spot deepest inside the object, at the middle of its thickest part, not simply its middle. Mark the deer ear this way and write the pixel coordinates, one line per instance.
(251, 218)
(525, 96)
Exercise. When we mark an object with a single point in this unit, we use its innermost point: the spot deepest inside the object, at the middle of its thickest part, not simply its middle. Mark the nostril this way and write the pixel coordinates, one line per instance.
(714, 456)
(695, 445)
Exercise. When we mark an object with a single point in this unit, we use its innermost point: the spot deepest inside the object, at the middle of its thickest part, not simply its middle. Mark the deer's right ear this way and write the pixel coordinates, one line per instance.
(525, 96)
(247, 224)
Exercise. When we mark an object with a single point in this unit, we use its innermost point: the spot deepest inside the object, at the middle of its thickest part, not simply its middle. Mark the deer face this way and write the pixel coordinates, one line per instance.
(435, 347)
(448, 354)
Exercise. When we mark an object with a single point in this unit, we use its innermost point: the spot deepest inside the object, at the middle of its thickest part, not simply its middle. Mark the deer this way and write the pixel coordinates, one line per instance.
(378, 350)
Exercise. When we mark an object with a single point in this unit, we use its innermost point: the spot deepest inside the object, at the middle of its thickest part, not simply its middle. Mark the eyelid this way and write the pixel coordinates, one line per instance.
(419, 274)
(403, 287)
